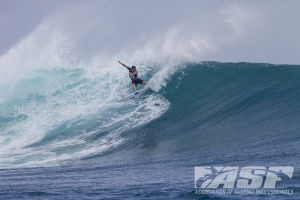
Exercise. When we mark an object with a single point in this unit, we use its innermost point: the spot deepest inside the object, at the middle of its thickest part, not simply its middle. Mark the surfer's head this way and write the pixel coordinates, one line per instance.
(133, 67)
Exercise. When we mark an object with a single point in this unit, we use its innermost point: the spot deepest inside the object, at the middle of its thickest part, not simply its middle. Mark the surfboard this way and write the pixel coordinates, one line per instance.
(136, 95)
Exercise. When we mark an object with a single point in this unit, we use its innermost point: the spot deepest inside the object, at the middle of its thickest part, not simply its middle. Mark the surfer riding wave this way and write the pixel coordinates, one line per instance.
(133, 76)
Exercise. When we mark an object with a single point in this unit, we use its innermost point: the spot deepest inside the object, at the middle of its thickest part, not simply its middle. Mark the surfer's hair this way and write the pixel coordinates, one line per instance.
(133, 67)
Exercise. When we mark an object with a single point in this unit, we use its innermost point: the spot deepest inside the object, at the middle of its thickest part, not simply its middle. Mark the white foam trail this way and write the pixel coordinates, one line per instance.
(71, 94)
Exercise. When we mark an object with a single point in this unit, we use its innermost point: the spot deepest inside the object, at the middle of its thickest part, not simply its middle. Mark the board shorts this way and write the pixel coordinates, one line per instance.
(137, 81)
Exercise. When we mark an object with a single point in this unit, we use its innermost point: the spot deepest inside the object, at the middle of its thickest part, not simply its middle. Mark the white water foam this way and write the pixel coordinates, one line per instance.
(64, 103)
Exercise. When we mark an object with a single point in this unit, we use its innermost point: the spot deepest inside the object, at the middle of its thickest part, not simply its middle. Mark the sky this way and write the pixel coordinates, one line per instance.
(193, 30)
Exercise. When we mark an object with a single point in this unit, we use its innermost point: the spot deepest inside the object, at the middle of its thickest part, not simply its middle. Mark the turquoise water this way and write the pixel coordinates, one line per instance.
(62, 125)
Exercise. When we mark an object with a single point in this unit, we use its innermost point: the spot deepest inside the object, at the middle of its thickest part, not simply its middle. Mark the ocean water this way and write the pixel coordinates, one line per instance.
(63, 136)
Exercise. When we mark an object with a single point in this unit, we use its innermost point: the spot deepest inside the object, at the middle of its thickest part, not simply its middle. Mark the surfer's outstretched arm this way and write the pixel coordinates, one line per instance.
(123, 64)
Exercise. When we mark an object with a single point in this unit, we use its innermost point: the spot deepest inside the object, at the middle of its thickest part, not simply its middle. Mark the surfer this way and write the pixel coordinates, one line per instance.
(133, 76)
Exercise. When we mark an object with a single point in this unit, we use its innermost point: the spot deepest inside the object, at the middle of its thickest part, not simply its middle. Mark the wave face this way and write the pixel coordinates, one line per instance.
(52, 116)
(247, 110)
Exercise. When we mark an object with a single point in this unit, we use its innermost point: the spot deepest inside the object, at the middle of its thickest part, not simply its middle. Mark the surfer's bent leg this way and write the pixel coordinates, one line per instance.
(134, 85)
